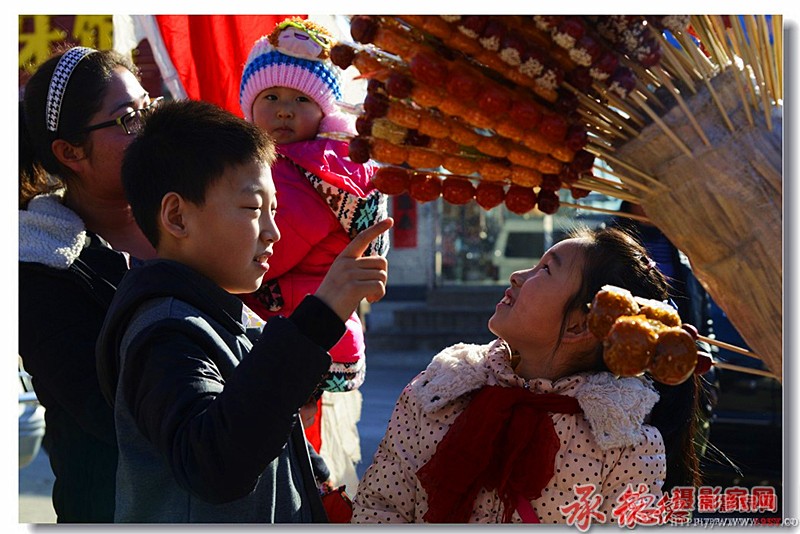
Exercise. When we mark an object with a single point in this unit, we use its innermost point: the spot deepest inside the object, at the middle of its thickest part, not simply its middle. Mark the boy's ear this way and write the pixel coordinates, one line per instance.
(577, 330)
(172, 214)
(68, 154)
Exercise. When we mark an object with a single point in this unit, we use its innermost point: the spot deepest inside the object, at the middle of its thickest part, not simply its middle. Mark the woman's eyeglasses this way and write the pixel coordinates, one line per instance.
(131, 122)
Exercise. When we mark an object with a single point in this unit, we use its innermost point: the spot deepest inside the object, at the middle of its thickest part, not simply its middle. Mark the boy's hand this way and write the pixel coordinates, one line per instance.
(353, 277)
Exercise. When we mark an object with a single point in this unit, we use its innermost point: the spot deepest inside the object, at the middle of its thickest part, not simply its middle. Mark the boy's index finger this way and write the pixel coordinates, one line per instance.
(360, 242)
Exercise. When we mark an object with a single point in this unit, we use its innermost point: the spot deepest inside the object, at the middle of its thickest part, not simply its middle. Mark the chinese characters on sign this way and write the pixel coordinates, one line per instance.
(635, 506)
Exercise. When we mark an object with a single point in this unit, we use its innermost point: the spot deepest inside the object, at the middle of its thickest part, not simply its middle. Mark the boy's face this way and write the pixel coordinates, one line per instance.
(287, 114)
(229, 238)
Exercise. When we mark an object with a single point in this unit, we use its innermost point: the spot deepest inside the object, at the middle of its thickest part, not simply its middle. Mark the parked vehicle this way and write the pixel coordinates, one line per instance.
(31, 420)
(520, 244)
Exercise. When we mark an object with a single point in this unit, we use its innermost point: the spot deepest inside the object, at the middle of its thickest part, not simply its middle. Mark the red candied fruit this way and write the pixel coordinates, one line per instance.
(363, 28)
(463, 85)
(526, 114)
(489, 195)
(359, 149)
(424, 187)
(399, 85)
(520, 200)
(553, 127)
(548, 201)
(456, 190)
(391, 180)
(429, 69)
(342, 55)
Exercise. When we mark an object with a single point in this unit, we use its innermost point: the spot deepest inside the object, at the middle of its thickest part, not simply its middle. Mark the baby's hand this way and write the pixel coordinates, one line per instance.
(353, 277)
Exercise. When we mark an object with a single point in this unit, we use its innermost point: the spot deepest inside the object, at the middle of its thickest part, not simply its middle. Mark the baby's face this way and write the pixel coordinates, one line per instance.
(287, 114)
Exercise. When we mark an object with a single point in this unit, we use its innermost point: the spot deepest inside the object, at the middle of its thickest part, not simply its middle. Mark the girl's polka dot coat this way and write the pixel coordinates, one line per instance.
(608, 445)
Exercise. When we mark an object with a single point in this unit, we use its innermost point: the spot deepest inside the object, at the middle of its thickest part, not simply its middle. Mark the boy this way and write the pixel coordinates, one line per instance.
(206, 417)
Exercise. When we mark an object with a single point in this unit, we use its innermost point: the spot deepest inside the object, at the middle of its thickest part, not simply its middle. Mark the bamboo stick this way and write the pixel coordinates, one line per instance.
(719, 26)
(673, 59)
(661, 124)
(601, 110)
(709, 39)
(620, 104)
(768, 56)
(684, 55)
(730, 347)
(777, 35)
(742, 50)
(627, 180)
(612, 159)
(702, 64)
(603, 210)
(743, 369)
(756, 66)
(588, 183)
(682, 103)
(598, 123)
(700, 59)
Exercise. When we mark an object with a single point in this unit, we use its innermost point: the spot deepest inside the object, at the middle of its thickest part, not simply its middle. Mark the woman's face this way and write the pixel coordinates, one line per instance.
(106, 146)
(532, 309)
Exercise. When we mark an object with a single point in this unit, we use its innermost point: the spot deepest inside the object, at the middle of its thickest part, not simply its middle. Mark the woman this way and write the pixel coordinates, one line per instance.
(468, 442)
(77, 237)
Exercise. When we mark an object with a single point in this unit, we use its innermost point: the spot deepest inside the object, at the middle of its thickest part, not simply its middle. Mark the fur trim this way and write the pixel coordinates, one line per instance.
(616, 408)
(50, 233)
(455, 371)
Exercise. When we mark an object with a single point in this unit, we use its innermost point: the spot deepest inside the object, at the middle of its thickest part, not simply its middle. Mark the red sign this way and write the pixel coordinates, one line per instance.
(404, 212)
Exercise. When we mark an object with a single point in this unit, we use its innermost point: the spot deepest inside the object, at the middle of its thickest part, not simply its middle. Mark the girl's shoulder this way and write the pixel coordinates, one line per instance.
(452, 373)
(616, 408)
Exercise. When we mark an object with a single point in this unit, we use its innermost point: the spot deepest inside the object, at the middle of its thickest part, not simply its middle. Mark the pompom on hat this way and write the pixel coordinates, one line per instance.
(295, 55)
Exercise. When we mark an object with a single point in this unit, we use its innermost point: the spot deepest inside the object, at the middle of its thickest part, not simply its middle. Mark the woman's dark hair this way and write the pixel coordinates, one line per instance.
(39, 170)
(614, 257)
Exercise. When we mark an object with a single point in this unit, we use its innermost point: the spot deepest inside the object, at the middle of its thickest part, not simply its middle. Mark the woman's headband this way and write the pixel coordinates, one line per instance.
(58, 83)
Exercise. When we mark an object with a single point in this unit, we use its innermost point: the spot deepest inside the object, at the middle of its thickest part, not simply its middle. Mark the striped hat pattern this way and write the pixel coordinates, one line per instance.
(271, 64)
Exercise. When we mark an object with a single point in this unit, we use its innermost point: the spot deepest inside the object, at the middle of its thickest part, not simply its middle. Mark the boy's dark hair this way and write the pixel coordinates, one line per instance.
(184, 147)
(39, 170)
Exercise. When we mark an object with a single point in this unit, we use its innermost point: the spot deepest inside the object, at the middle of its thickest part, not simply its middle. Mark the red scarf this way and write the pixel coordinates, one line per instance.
(505, 441)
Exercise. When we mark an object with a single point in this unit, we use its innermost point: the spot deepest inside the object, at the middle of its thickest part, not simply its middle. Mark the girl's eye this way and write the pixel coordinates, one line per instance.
(303, 99)
(546, 268)
(270, 97)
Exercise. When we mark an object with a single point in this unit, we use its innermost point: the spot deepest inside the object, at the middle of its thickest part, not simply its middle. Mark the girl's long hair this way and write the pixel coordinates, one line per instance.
(613, 257)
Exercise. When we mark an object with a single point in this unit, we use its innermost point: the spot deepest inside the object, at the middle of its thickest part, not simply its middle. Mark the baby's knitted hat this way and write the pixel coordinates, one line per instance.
(296, 55)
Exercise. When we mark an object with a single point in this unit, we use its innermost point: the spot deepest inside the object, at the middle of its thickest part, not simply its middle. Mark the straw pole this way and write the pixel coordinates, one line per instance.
(664, 77)
(661, 124)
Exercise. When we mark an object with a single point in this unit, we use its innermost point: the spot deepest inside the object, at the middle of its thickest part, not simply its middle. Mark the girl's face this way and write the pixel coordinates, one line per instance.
(532, 310)
(287, 114)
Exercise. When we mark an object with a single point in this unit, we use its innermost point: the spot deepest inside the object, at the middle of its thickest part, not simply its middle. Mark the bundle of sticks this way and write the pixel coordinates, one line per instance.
(680, 114)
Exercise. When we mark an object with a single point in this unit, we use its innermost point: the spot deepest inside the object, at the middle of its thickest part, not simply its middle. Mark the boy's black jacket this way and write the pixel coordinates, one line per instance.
(217, 408)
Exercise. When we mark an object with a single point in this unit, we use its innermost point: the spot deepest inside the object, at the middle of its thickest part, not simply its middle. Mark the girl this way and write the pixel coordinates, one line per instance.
(518, 430)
